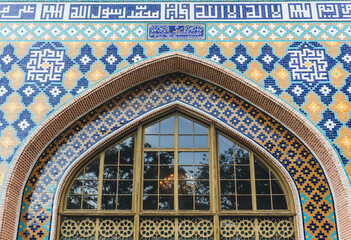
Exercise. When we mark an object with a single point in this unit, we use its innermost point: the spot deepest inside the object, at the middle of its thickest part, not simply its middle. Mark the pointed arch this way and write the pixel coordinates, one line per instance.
(149, 69)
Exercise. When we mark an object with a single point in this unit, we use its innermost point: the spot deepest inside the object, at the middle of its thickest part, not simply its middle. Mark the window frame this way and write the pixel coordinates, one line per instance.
(215, 210)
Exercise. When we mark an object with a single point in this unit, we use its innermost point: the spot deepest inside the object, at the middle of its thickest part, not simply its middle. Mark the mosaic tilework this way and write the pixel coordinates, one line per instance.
(311, 76)
(66, 31)
(316, 198)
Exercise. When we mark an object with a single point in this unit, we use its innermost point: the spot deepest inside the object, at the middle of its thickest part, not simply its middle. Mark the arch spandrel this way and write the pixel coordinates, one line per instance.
(243, 88)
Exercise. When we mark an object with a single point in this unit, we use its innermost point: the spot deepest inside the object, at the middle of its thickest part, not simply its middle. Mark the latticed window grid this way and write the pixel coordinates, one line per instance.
(209, 188)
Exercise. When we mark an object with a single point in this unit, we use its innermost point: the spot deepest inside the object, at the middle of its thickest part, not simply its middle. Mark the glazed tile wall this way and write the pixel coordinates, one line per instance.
(40, 73)
(44, 65)
(308, 176)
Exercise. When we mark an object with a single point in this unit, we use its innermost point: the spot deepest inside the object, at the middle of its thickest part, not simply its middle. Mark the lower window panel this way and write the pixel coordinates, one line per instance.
(177, 228)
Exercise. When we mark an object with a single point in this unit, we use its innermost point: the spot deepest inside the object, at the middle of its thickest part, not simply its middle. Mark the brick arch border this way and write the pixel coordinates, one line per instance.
(152, 68)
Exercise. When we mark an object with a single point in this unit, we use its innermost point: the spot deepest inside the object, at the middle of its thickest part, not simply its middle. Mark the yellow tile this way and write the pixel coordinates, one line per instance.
(313, 107)
(341, 107)
(8, 141)
(73, 48)
(282, 76)
(39, 108)
(338, 74)
(256, 73)
(16, 77)
(3, 171)
(99, 48)
(344, 141)
(71, 77)
(97, 73)
(12, 107)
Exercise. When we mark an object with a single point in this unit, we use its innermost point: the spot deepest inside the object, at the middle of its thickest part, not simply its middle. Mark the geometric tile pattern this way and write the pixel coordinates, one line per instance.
(39, 76)
(315, 195)
(137, 31)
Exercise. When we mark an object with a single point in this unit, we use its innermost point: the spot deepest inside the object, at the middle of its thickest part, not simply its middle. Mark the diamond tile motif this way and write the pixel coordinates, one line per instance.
(7, 58)
(111, 59)
(241, 59)
(267, 58)
(85, 59)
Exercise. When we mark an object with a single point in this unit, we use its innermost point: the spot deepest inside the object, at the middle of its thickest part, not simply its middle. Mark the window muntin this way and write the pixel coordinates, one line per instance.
(107, 188)
(183, 163)
(203, 173)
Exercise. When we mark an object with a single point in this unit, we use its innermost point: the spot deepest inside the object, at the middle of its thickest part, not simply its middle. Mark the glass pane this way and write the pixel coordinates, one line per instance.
(153, 129)
(167, 158)
(201, 158)
(150, 158)
(227, 187)
(74, 201)
(124, 202)
(225, 148)
(166, 172)
(125, 172)
(262, 187)
(127, 151)
(150, 187)
(242, 172)
(109, 187)
(89, 202)
(227, 172)
(110, 172)
(276, 188)
(186, 187)
(167, 126)
(185, 172)
(202, 202)
(166, 203)
(166, 187)
(279, 202)
(199, 129)
(185, 126)
(150, 172)
(261, 171)
(92, 170)
(151, 141)
(149, 202)
(81, 175)
(185, 158)
(263, 202)
(241, 155)
(167, 141)
(243, 187)
(125, 187)
(186, 202)
(91, 187)
(185, 141)
(244, 202)
(111, 155)
(228, 203)
(108, 202)
(201, 172)
(202, 187)
(201, 141)
(76, 187)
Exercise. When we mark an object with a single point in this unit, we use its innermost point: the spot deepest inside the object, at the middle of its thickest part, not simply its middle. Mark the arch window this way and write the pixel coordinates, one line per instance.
(176, 178)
